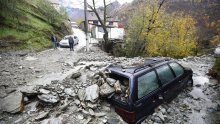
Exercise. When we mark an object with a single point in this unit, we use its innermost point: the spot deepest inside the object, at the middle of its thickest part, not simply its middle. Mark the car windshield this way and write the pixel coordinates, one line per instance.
(66, 37)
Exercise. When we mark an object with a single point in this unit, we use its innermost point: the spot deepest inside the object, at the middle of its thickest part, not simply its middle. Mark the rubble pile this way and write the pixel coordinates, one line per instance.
(81, 97)
(44, 103)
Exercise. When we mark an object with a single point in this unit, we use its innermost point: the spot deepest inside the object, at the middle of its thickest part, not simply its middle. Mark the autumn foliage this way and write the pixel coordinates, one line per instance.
(154, 32)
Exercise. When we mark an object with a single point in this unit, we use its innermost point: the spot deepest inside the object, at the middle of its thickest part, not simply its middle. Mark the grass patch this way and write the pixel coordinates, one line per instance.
(27, 25)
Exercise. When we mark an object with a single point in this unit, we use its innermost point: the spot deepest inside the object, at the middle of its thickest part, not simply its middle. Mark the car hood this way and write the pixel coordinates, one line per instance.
(64, 41)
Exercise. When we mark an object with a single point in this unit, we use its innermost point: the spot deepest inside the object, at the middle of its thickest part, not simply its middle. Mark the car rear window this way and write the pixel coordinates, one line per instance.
(124, 84)
(178, 70)
(147, 83)
(165, 74)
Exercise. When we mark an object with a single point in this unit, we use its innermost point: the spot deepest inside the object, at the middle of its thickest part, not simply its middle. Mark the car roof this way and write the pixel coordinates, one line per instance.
(128, 71)
(69, 36)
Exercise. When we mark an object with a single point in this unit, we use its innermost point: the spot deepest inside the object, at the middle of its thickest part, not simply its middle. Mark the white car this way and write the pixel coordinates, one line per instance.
(65, 41)
(217, 51)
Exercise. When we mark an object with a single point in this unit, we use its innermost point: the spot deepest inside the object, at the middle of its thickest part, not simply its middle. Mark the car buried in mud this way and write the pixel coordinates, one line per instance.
(147, 86)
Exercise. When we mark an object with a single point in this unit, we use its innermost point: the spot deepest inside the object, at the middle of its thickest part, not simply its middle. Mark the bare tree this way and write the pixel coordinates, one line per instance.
(106, 45)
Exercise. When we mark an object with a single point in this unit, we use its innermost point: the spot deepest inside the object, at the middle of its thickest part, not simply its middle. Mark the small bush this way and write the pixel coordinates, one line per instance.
(215, 71)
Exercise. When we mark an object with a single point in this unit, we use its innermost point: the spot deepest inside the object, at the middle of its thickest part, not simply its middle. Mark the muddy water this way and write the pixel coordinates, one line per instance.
(204, 98)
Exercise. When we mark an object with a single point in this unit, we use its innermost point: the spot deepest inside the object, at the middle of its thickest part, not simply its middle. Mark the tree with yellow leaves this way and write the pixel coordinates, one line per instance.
(176, 36)
(156, 33)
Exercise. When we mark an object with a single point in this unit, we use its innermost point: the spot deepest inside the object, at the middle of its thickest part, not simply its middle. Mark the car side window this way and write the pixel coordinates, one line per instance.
(147, 83)
(178, 70)
(165, 74)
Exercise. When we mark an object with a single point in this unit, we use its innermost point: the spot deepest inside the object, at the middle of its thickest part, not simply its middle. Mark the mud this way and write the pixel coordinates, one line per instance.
(197, 105)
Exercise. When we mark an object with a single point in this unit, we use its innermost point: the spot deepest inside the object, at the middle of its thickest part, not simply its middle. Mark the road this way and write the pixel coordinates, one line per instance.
(82, 38)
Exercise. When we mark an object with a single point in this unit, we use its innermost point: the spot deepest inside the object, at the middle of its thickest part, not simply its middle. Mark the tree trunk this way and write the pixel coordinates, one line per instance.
(107, 44)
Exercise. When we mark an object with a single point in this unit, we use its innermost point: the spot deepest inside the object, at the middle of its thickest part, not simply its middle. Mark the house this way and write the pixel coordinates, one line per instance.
(116, 31)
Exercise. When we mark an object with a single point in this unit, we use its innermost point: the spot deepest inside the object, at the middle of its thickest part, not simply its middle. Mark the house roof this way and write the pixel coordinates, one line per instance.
(92, 17)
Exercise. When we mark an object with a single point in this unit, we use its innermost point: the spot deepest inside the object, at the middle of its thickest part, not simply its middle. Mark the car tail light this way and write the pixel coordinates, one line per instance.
(127, 116)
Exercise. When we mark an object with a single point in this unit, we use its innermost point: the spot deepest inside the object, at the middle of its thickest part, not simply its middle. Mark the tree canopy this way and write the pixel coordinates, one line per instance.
(151, 31)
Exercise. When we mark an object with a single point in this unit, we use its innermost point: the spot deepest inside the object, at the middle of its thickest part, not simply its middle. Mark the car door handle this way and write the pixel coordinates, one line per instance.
(139, 104)
(160, 97)
(165, 92)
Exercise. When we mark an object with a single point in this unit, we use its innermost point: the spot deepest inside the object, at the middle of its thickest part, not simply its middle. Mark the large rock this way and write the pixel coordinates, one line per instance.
(110, 81)
(53, 120)
(81, 94)
(44, 91)
(69, 91)
(92, 93)
(32, 107)
(5, 91)
(29, 91)
(13, 103)
(100, 114)
(91, 112)
(41, 115)
(2, 92)
(93, 106)
(100, 81)
(106, 90)
(76, 101)
(76, 75)
(49, 98)
(117, 87)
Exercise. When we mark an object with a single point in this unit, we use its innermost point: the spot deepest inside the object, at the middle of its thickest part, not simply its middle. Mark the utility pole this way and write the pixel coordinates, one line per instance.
(86, 25)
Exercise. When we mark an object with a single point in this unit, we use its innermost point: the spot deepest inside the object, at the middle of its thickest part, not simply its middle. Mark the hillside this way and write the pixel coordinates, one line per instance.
(205, 12)
(77, 14)
(28, 24)
(207, 15)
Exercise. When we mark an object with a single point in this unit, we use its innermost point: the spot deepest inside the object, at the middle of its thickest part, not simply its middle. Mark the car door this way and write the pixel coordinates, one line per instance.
(148, 91)
(180, 77)
(167, 81)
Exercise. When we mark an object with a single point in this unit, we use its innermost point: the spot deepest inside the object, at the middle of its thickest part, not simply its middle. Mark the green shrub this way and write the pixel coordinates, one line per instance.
(29, 24)
(215, 71)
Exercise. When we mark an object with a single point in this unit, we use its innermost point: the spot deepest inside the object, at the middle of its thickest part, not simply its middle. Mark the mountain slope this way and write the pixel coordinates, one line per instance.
(28, 24)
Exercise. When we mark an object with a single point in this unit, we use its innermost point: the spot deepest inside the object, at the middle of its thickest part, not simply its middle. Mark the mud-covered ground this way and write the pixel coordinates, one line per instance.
(50, 70)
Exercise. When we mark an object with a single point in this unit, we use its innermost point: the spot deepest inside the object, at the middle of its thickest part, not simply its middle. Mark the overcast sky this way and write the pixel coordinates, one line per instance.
(79, 3)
